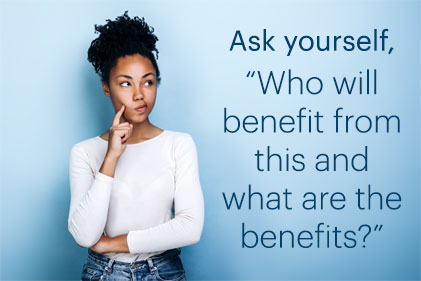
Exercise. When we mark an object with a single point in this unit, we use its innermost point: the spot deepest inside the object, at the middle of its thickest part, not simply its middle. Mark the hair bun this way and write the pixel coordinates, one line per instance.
(120, 37)
(129, 29)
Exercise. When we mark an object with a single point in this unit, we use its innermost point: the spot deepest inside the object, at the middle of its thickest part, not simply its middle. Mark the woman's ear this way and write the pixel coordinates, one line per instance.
(106, 89)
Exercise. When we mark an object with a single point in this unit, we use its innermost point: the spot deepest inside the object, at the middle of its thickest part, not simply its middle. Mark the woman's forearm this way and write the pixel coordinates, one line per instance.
(108, 165)
(118, 244)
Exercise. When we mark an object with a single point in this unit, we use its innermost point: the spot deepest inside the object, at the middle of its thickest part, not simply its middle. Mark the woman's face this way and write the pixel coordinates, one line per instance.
(132, 82)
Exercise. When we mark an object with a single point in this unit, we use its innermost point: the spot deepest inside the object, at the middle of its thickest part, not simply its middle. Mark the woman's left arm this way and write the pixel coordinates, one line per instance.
(186, 226)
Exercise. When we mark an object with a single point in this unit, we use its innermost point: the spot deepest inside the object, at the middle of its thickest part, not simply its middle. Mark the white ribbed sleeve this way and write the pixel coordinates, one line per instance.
(90, 197)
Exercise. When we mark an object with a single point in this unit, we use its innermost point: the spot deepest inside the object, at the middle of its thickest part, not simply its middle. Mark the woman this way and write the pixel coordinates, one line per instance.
(135, 191)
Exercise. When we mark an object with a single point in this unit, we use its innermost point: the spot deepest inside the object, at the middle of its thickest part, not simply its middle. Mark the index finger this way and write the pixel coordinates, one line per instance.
(116, 119)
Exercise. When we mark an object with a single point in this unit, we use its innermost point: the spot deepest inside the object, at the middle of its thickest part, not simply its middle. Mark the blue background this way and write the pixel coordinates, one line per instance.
(51, 98)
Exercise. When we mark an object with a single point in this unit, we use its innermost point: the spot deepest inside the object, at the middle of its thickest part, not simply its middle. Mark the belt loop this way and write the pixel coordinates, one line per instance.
(152, 268)
(109, 266)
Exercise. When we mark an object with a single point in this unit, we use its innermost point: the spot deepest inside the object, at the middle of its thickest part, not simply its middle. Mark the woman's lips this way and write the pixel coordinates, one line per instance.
(141, 108)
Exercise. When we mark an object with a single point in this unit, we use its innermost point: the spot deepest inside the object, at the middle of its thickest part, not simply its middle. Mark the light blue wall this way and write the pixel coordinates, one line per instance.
(51, 98)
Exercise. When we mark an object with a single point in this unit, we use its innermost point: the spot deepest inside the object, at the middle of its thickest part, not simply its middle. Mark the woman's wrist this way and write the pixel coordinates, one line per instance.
(117, 244)
(111, 157)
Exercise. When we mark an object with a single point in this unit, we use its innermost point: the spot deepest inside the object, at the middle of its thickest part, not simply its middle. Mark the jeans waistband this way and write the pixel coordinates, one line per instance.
(109, 264)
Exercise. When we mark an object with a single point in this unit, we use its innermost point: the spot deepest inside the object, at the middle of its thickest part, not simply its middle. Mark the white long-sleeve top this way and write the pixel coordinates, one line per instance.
(155, 195)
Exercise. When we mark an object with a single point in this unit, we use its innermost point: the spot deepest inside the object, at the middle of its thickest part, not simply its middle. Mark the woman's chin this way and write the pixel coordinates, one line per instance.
(137, 119)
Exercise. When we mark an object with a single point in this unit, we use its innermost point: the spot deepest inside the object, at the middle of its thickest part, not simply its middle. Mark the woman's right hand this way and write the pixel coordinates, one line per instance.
(118, 135)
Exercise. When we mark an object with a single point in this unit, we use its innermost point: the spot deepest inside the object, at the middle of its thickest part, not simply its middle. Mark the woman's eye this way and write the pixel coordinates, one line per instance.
(124, 84)
(149, 83)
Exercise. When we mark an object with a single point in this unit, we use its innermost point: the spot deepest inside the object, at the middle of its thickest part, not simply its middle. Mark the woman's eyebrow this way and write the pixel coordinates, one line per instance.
(129, 77)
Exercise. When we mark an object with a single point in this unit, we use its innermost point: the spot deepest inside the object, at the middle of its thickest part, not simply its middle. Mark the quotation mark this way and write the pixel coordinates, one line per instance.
(379, 227)
(252, 74)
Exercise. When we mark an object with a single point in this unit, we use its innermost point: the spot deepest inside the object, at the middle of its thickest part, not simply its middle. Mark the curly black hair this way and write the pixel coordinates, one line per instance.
(124, 36)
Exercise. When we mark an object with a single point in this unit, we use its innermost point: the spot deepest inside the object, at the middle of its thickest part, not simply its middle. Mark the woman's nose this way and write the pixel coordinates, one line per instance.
(138, 94)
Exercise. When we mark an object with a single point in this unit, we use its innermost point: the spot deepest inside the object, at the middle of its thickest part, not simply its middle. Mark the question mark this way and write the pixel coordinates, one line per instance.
(369, 230)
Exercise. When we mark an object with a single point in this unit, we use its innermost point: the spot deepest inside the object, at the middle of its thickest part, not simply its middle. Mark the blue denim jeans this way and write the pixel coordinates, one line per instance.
(166, 266)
